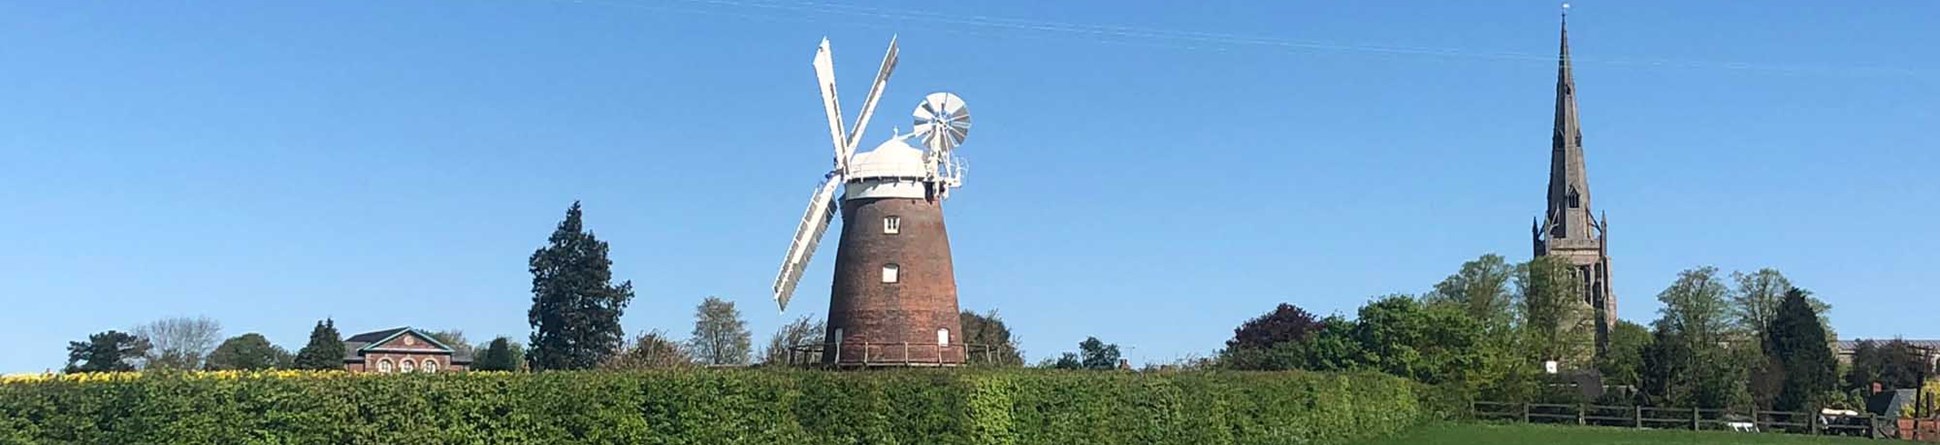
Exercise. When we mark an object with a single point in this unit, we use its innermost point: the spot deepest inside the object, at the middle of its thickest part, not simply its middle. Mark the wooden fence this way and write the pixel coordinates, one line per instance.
(1701, 419)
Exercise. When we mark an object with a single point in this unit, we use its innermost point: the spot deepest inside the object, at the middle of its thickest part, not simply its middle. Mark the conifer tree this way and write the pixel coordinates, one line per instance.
(576, 309)
(1797, 342)
(325, 350)
(499, 356)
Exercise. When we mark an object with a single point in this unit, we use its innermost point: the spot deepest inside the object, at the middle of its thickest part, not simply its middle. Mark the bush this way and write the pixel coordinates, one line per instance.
(707, 406)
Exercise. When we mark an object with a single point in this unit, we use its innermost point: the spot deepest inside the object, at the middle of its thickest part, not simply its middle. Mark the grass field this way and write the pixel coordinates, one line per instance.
(1483, 434)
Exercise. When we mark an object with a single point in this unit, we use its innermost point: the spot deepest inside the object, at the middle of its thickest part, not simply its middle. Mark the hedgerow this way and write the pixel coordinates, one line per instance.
(710, 407)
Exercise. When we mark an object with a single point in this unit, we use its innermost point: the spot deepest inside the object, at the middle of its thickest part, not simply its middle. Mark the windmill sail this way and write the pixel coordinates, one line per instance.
(815, 222)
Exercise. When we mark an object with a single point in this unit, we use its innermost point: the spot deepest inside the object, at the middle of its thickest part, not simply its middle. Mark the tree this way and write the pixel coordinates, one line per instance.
(1756, 300)
(652, 350)
(109, 351)
(1431, 344)
(989, 330)
(456, 340)
(1482, 289)
(720, 337)
(1688, 353)
(1894, 364)
(1285, 323)
(1272, 341)
(802, 331)
(1555, 322)
(1067, 360)
(247, 352)
(325, 349)
(576, 309)
(1797, 342)
(1623, 363)
(498, 356)
(1097, 355)
(179, 343)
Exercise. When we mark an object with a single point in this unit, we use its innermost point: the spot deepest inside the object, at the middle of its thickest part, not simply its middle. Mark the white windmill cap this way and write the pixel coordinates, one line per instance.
(895, 158)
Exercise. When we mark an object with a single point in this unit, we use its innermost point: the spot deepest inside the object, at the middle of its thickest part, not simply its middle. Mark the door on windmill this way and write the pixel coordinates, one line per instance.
(943, 337)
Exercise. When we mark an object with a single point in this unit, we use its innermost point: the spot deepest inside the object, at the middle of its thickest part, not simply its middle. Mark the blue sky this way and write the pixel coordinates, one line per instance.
(1145, 172)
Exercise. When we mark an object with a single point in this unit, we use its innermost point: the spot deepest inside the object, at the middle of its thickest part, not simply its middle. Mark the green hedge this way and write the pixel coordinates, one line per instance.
(715, 407)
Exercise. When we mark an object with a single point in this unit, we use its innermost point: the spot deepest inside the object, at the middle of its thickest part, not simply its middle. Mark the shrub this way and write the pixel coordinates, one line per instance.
(710, 406)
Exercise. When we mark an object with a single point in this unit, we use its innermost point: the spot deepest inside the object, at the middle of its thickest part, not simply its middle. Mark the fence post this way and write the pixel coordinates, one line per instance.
(1695, 418)
(1580, 409)
(1812, 421)
(1639, 415)
(1525, 412)
(1872, 426)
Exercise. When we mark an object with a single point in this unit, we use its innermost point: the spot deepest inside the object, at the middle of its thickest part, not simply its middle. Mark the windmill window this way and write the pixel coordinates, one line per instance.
(384, 366)
(889, 272)
(892, 225)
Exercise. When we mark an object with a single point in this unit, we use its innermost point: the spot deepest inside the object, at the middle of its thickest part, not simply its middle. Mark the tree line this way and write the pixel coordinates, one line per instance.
(1746, 339)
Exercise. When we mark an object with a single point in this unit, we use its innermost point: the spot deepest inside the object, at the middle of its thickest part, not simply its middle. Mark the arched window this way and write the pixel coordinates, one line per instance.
(892, 225)
(384, 366)
(430, 365)
(943, 337)
(405, 366)
(1576, 199)
(889, 272)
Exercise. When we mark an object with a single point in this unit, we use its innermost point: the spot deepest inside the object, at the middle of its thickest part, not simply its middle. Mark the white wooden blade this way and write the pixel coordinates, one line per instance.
(815, 222)
(825, 76)
(869, 103)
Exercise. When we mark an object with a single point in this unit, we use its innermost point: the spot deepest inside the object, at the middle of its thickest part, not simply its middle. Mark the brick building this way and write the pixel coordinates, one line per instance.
(401, 350)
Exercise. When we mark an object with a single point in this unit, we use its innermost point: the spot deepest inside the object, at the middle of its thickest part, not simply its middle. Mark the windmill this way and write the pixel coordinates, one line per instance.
(894, 284)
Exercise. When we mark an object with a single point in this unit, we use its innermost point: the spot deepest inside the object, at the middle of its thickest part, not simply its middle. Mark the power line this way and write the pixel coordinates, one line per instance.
(1185, 39)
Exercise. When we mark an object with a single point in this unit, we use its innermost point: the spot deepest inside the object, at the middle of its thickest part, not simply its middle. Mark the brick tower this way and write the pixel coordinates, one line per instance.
(1568, 228)
(894, 298)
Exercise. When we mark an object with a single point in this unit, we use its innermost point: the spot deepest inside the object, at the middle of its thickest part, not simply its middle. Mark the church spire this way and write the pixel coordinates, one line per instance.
(1569, 184)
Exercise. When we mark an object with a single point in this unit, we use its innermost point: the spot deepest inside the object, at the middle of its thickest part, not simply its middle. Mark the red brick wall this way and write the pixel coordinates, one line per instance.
(923, 299)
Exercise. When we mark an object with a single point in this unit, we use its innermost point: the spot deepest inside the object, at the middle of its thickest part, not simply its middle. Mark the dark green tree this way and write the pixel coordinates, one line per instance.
(1894, 364)
(576, 309)
(1796, 342)
(988, 330)
(498, 356)
(720, 337)
(105, 352)
(1623, 364)
(1097, 355)
(248, 352)
(325, 349)
(1068, 360)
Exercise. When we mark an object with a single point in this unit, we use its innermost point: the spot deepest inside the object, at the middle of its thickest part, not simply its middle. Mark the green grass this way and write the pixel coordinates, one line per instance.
(1493, 434)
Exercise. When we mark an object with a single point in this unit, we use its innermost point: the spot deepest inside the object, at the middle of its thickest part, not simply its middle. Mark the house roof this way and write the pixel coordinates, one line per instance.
(356, 345)
(1847, 346)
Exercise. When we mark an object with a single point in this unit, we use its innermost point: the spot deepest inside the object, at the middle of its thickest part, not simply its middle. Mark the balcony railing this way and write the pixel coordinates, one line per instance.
(882, 354)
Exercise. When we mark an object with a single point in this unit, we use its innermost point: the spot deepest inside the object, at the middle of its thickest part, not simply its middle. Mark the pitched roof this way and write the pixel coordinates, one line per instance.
(1850, 345)
(356, 345)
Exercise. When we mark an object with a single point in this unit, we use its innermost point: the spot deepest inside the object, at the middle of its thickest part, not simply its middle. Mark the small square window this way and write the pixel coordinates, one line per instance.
(889, 272)
(892, 225)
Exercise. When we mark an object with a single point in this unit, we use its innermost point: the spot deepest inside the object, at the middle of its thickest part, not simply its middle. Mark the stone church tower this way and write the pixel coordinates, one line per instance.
(1568, 228)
